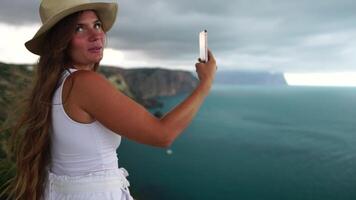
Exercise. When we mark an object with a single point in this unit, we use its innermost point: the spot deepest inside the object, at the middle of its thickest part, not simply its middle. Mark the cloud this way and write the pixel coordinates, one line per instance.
(279, 35)
(12, 49)
(19, 12)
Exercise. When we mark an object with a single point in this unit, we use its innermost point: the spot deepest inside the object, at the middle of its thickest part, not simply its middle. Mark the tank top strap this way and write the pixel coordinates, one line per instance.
(57, 99)
(68, 71)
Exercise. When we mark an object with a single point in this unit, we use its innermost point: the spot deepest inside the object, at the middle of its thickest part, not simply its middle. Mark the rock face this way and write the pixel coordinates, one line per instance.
(149, 83)
(152, 82)
(144, 85)
(114, 75)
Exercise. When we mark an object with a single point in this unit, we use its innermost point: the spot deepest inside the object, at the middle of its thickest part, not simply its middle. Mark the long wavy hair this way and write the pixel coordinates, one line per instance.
(30, 140)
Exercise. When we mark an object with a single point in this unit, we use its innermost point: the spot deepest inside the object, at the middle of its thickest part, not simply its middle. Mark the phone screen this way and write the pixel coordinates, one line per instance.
(203, 45)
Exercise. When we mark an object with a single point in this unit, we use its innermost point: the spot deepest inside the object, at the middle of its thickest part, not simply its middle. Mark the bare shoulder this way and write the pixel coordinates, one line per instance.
(88, 82)
(85, 77)
(89, 87)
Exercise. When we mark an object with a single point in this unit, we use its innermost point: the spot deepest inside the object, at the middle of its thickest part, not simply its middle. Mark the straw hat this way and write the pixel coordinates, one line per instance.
(52, 11)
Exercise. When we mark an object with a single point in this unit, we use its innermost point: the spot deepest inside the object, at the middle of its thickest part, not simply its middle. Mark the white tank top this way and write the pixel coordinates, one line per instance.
(79, 148)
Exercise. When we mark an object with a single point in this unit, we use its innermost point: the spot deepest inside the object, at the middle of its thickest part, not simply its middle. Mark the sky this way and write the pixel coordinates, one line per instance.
(299, 36)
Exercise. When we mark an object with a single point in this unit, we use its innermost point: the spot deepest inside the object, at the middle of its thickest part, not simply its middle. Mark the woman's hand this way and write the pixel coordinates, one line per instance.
(206, 71)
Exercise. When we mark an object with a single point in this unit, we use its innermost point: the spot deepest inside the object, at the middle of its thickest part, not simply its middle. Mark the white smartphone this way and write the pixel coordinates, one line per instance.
(203, 45)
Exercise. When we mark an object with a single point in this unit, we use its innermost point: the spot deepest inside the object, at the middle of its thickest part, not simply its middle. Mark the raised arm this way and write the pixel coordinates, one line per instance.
(119, 113)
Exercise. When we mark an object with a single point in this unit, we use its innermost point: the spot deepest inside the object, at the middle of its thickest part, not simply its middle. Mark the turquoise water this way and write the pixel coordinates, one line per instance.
(254, 143)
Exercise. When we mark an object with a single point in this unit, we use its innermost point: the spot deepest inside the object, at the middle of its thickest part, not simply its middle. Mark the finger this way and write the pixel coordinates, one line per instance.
(210, 55)
(199, 64)
(201, 61)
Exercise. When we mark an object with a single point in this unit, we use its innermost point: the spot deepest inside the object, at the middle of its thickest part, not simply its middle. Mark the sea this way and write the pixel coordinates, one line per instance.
(253, 143)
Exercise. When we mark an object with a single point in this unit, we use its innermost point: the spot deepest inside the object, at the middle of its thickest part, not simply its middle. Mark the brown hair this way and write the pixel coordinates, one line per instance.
(30, 140)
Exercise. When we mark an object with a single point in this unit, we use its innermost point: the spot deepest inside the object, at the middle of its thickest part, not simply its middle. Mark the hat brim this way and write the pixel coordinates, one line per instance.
(105, 11)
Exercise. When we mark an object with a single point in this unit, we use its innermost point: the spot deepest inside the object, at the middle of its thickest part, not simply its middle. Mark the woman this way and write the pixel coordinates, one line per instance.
(75, 118)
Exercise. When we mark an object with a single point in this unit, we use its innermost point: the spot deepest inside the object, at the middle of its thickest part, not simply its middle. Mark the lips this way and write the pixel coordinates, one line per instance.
(96, 49)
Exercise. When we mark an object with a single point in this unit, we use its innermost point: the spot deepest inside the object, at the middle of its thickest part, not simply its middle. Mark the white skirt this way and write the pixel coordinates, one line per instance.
(103, 185)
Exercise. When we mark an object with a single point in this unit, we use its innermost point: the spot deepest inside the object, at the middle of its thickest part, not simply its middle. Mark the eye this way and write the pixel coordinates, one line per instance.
(98, 25)
(79, 29)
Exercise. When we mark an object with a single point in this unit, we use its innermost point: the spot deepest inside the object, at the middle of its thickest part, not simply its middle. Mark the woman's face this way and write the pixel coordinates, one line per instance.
(87, 44)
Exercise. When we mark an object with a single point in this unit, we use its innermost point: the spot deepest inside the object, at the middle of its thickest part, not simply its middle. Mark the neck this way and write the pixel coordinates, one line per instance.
(83, 67)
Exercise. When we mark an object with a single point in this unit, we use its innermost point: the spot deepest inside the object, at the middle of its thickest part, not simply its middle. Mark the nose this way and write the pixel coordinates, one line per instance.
(95, 34)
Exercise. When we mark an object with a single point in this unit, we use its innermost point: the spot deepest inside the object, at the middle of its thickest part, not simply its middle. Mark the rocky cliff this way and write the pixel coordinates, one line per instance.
(149, 83)
(143, 85)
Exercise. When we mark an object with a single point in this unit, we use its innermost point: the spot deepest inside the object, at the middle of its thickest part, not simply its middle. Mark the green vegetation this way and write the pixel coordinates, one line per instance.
(14, 83)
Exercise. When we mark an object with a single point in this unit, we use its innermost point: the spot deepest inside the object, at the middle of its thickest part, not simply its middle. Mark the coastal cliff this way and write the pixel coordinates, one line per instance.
(149, 83)
(142, 85)
(146, 84)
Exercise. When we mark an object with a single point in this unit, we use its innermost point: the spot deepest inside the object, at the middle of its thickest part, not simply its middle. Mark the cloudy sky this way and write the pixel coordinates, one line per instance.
(265, 35)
